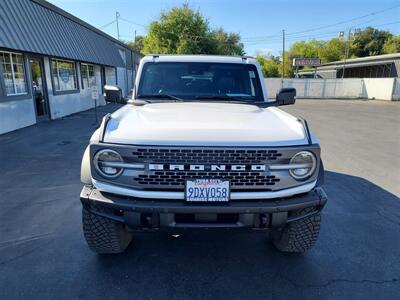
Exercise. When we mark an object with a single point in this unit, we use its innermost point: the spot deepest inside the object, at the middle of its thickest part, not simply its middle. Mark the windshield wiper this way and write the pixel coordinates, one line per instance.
(241, 99)
(160, 96)
(226, 98)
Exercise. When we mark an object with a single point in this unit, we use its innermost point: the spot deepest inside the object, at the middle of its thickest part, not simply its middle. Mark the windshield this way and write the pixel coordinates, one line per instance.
(190, 80)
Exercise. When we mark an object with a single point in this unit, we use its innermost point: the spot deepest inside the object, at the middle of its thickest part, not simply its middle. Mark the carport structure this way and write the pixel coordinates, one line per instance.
(378, 66)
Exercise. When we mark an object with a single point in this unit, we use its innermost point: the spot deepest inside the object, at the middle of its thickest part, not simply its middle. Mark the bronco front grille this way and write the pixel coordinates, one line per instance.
(166, 168)
(177, 178)
(226, 156)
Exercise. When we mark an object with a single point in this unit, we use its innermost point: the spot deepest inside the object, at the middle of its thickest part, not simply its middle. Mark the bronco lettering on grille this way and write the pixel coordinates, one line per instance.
(175, 167)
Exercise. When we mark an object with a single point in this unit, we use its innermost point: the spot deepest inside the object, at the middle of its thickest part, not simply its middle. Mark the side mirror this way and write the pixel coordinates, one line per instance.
(286, 96)
(113, 94)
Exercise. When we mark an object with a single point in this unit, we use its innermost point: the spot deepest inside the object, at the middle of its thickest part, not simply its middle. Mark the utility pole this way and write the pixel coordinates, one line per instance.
(283, 54)
(134, 67)
(134, 54)
(116, 19)
(346, 52)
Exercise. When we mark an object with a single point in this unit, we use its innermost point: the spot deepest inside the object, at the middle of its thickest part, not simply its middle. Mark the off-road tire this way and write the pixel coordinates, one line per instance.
(104, 236)
(298, 236)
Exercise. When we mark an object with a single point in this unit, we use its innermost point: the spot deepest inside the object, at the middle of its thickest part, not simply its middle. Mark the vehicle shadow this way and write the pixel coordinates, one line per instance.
(355, 246)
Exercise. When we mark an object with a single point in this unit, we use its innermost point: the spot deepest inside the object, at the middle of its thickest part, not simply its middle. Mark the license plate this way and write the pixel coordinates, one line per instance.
(207, 190)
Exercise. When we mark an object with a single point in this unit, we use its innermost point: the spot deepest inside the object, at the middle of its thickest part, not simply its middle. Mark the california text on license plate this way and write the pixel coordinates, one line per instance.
(207, 190)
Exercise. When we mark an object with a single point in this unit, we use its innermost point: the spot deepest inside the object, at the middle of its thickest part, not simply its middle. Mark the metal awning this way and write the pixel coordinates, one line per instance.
(29, 26)
(362, 64)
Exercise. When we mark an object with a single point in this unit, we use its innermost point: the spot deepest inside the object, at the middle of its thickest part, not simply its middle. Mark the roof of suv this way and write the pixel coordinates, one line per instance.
(199, 58)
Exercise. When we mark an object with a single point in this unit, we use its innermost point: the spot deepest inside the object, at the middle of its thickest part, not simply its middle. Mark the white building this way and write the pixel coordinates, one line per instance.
(49, 61)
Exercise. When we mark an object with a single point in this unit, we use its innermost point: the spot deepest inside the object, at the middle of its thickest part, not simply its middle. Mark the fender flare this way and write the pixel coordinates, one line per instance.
(86, 174)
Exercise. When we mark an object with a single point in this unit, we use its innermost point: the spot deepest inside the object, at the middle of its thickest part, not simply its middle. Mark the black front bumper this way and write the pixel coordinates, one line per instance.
(139, 213)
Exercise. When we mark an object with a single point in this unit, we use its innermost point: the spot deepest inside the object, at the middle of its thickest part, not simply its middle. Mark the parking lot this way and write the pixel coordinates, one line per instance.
(43, 253)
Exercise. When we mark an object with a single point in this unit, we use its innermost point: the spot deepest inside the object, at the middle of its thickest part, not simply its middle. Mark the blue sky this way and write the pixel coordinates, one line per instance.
(260, 23)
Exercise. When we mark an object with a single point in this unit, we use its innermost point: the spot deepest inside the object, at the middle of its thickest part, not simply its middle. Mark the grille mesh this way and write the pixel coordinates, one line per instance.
(224, 156)
(177, 178)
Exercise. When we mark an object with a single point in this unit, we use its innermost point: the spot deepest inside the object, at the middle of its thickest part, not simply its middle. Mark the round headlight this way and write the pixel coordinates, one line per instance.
(307, 164)
(106, 163)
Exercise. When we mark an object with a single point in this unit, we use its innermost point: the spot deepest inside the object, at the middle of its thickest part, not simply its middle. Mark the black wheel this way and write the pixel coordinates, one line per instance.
(298, 236)
(104, 235)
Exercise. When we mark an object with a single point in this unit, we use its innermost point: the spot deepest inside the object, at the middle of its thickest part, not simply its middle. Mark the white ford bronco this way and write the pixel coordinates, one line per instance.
(200, 145)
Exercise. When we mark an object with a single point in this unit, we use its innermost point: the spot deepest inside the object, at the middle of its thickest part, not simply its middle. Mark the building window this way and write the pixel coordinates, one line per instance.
(111, 78)
(88, 77)
(13, 73)
(64, 75)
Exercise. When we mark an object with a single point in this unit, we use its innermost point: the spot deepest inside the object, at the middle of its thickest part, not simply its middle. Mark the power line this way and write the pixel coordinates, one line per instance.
(294, 38)
(243, 40)
(300, 37)
(347, 21)
(166, 31)
(106, 25)
(134, 23)
(323, 27)
(278, 34)
(396, 22)
(309, 36)
(195, 38)
(271, 38)
(274, 38)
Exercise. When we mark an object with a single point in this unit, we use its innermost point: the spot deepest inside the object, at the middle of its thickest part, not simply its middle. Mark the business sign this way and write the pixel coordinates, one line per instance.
(64, 74)
(302, 62)
(95, 93)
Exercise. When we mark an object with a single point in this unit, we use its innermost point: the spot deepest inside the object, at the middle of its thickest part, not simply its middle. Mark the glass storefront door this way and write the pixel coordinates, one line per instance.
(39, 91)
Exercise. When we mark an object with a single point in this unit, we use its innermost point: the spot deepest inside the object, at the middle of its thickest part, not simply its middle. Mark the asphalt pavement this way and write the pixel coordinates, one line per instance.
(43, 254)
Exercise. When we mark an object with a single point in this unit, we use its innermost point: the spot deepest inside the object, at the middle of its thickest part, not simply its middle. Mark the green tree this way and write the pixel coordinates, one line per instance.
(368, 42)
(178, 31)
(392, 45)
(269, 67)
(333, 50)
(309, 48)
(302, 49)
(137, 45)
(183, 30)
(224, 43)
(288, 64)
